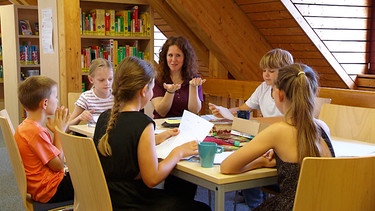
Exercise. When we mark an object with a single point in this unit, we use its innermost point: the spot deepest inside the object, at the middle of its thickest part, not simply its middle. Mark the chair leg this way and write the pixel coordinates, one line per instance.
(209, 197)
(235, 200)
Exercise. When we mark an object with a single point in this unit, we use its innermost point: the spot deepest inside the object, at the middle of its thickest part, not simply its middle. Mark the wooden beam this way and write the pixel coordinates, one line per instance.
(24, 2)
(227, 32)
(174, 21)
(217, 70)
(70, 47)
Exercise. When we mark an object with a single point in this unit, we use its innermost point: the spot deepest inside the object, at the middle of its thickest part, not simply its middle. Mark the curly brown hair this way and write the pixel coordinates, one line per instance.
(190, 66)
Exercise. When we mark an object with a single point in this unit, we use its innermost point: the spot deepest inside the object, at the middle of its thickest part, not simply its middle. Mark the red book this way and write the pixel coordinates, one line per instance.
(135, 19)
(107, 23)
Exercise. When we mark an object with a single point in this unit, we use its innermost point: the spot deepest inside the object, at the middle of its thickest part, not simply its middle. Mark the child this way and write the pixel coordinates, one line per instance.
(42, 156)
(284, 144)
(99, 98)
(126, 144)
(261, 99)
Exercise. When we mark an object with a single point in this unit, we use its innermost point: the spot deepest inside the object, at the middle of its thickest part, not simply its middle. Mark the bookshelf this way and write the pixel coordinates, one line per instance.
(113, 30)
(20, 53)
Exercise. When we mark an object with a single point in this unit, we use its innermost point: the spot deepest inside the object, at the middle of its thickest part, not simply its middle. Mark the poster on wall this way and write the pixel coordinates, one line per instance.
(47, 27)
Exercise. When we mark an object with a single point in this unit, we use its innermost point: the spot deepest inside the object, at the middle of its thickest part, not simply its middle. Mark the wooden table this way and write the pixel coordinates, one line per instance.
(83, 129)
(212, 179)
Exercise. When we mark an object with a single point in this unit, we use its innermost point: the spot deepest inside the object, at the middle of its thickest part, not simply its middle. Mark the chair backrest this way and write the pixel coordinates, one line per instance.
(90, 187)
(16, 161)
(4, 113)
(149, 109)
(72, 98)
(227, 93)
(356, 123)
(319, 101)
(336, 184)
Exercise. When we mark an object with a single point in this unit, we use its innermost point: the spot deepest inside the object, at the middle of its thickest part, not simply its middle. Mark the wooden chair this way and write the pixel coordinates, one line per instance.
(4, 113)
(227, 93)
(90, 187)
(19, 171)
(319, 101)
(72, 98)
(336, 184)
(355, 123)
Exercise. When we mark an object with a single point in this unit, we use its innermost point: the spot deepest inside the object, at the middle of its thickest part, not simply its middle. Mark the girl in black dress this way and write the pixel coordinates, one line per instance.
(126, 145)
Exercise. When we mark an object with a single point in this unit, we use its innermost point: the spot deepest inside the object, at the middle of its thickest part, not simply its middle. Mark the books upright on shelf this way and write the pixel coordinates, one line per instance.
(108, 46)
(135, 20)
(98, 16)
(110, 17)
(145, 24)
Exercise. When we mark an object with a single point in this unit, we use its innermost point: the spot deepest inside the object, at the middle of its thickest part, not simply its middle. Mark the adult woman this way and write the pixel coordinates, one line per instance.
(177, 85)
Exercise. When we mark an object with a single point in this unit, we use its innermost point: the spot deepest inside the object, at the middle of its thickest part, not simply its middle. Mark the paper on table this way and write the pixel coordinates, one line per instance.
(192, 127)
(221, 156)
(348, 149)
(225, 112)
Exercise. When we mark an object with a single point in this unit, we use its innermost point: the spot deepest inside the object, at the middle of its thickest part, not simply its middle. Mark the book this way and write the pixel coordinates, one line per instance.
(108, 46)
(25, 27)
(111, 22)
(98, 21)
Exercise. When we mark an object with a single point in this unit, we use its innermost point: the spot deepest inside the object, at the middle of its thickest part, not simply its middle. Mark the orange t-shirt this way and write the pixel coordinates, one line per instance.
(36, 149)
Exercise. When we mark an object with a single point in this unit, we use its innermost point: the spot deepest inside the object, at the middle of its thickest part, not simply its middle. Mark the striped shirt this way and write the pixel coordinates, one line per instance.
(89, 101)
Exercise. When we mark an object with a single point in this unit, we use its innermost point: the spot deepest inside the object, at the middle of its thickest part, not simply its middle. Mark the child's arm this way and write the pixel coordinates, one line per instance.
(60, 121)
(78, 115)
(159, 138)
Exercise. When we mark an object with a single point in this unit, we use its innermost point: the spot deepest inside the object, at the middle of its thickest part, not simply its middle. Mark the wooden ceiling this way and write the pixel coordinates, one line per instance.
(230, 36)
(20, 2)
(237, 33)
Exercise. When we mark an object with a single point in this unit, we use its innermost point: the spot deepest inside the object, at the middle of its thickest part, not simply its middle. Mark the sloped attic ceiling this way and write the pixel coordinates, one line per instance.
(238, 33)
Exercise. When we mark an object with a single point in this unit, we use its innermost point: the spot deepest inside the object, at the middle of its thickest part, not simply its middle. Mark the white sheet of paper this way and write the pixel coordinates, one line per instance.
(350, 149)
(221, 156)
(192, 127)
(225, 112)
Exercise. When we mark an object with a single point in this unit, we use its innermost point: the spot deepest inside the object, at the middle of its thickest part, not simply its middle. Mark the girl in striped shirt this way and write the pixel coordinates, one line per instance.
(99, 98)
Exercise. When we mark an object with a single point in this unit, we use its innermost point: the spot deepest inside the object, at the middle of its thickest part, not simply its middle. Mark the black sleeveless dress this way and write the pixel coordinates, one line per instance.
(288, 174)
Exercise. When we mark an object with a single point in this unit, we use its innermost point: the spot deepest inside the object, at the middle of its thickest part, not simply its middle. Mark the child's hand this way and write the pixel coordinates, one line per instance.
(161, 137)
(86, 115)
(173, 132)
(61, 119)
(269, 158)
(188, 149)
(171, 88)
(214, 110)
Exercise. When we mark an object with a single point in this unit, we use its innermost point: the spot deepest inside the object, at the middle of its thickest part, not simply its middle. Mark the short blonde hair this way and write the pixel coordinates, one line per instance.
(276, 59)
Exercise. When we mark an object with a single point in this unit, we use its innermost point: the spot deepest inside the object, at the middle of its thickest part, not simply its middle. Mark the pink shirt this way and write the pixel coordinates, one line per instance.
(36, 149)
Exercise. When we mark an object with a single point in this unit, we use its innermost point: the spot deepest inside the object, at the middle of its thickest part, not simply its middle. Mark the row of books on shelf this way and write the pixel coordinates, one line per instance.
(116, 23)
(29, 54)
(110, 50)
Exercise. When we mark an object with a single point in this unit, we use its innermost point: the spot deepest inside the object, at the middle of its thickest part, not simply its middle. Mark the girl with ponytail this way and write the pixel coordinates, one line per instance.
(286, 143)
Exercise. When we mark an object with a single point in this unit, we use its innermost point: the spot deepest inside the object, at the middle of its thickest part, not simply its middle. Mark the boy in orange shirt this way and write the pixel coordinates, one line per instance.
(42, 155)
